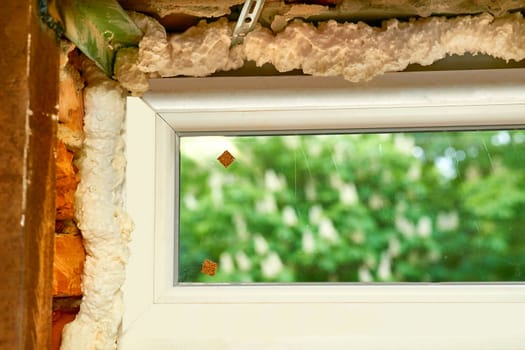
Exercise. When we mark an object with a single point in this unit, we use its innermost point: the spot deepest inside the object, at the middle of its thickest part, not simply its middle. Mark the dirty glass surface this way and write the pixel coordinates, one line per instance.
(440, 206)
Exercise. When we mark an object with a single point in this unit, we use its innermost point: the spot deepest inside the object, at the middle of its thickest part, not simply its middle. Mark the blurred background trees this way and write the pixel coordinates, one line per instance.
(401, 207)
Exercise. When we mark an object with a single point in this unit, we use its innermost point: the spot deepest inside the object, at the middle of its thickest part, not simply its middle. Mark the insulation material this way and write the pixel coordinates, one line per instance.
(99, 212)
(360, 52)
(356, 51)
(126, 69)
(66, 183)
(199, 51)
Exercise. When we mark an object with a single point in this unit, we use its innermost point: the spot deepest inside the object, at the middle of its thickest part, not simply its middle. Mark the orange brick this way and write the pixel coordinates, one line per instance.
(66, 183)
(71, 85)
(60, 319)
(68, 265)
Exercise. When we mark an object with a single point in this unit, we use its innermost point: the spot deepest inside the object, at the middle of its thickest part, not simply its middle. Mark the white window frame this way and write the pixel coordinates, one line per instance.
(304, 316)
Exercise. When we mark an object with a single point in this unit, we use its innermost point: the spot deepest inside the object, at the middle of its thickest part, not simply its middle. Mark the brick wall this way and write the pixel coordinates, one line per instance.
(69, 254)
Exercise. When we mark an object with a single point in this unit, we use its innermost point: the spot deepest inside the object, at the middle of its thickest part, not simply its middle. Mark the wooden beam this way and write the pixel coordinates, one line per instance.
(28, 99)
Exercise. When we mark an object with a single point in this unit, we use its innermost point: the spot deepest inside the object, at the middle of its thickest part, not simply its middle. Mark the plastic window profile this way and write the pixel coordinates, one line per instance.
(496, 96)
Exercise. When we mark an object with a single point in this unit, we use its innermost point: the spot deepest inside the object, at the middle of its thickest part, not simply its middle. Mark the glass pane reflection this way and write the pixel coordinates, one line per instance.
(392, 207)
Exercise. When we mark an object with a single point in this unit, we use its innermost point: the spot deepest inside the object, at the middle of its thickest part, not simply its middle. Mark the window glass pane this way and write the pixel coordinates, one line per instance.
(440, 206)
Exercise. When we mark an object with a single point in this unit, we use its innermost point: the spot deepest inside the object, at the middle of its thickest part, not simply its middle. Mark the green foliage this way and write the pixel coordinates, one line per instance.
(442, 206)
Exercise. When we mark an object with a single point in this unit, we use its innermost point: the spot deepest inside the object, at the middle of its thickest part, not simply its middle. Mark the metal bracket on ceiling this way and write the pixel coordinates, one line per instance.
(247, 20)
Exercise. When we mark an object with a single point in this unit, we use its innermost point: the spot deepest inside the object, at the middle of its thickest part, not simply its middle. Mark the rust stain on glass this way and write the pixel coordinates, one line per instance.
(209, 267)
(226, 159)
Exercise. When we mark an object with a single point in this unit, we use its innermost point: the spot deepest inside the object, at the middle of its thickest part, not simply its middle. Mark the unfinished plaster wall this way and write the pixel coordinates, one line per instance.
(177, 15)
(28, 99)
(164, 51)
(357, 8)
(187, 7)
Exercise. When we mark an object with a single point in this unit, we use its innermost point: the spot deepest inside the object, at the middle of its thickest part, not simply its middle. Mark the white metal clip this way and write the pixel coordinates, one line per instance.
(247, 20)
